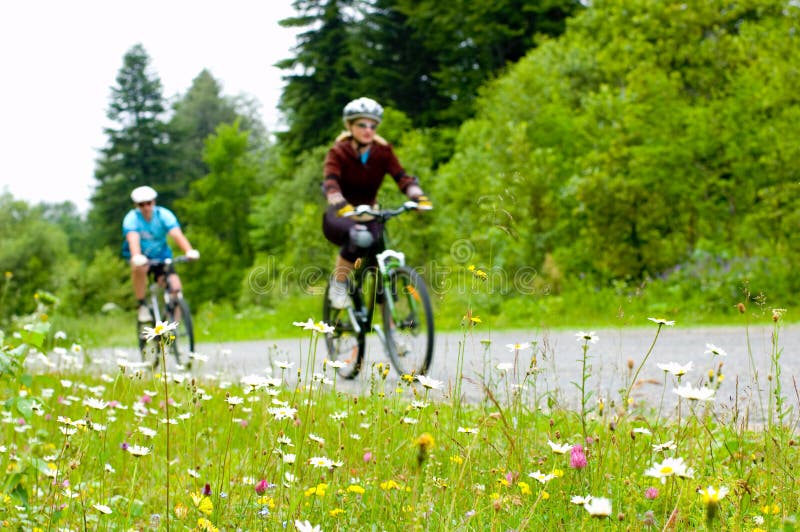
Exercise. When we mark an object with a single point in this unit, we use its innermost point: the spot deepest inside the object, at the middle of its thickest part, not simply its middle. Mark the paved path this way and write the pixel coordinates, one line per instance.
(559, 360)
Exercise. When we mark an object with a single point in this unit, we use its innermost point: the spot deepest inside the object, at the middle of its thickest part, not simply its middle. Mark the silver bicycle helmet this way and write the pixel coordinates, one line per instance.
(362, 108)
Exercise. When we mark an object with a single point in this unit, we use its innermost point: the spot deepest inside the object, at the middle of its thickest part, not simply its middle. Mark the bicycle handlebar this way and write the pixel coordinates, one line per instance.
(362, 211)
(167, 261)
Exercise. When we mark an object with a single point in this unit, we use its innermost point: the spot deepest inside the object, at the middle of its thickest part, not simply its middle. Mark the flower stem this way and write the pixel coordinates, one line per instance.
(636, 374)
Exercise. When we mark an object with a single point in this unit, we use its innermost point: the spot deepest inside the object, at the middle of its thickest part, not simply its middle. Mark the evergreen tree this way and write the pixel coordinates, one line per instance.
(322, 78)
(136, 153)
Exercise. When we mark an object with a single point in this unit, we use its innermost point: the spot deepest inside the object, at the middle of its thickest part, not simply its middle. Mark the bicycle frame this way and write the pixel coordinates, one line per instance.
(383, 262)
(156, 286)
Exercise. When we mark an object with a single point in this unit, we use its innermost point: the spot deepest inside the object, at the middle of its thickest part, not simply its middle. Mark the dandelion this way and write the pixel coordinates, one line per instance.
(559, 448)
(598, 507)
(161, 328)
(429, 383)
(355, 488)
(676, 369)
(589, 337)
(695, 394)
(662, 321)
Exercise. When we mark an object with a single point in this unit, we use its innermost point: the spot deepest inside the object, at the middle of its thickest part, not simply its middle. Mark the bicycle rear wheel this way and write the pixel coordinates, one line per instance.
(345, 345)
(183, 343)
(408, 319)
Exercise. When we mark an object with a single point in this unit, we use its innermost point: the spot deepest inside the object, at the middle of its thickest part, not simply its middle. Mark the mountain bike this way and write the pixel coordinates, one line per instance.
(164, 305)
(381, 278)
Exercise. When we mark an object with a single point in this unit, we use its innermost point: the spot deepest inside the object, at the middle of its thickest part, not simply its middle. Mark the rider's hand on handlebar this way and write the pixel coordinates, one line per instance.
(192, 254)
(423, 203)
(343, 209)
(139, 260)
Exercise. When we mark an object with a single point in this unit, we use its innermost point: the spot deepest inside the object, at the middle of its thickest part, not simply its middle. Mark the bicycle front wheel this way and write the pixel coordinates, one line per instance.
(408, 319)
(345, 344)
(183, 344)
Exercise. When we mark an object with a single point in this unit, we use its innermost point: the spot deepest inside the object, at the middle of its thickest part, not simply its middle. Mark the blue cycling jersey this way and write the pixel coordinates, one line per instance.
(152, 234)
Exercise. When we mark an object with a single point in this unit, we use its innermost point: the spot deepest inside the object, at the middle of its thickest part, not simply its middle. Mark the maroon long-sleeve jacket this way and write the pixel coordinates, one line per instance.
(359, 182)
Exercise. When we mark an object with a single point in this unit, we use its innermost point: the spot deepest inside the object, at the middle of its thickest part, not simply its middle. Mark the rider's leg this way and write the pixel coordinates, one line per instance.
(342, 268)
(139, 281)
(174, 284)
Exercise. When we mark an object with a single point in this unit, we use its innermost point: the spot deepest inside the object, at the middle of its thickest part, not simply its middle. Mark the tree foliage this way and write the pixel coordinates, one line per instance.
(136, 153)
(32, 258)
(643, 133)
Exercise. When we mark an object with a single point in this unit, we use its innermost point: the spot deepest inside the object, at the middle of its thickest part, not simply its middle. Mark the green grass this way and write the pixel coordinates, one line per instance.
(401, 455)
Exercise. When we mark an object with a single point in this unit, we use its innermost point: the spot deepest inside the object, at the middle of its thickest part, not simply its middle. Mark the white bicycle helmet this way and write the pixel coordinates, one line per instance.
(362, 108)
(141, 194)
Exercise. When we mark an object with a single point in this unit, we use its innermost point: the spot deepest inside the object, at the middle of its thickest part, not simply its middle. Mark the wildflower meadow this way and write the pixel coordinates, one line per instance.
(125, 448)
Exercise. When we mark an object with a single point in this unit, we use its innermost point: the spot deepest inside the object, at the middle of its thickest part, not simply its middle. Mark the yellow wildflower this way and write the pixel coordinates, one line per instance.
(335, 512)
(318, 490)
(203, 503)
(205, 524)
(181, 511)
(389, 485)
(355, 488)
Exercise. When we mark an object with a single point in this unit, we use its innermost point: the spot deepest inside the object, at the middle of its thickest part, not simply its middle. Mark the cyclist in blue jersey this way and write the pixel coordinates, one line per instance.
(145, 229)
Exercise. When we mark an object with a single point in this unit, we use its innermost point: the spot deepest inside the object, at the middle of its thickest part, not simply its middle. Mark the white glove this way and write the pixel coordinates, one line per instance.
(192, 254)
(139, 260)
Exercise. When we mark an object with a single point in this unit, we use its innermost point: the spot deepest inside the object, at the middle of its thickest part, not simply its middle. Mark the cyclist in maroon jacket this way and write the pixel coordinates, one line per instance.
(354, 170)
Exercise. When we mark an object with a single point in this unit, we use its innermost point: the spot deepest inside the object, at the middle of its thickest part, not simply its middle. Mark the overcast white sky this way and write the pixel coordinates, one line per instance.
(59, 59)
